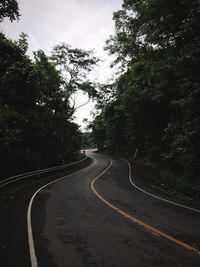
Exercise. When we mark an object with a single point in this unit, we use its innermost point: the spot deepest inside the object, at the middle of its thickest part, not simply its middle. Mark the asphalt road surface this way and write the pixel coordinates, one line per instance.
(96, 217)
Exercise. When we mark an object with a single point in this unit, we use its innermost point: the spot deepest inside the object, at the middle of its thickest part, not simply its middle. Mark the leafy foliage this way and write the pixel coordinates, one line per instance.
(75, 65)
(10, 9)
(87, 140)
(36, 129)
(155, 102)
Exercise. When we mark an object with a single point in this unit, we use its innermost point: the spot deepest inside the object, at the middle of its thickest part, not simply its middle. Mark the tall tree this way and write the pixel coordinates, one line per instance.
(157, 94)
(75, 65)
(10, 9)
(35, 129)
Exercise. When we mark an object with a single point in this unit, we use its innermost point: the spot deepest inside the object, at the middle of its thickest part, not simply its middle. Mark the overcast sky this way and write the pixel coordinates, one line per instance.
(81, 23)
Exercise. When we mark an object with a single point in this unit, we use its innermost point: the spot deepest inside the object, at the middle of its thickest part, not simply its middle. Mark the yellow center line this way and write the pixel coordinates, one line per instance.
(133, 219)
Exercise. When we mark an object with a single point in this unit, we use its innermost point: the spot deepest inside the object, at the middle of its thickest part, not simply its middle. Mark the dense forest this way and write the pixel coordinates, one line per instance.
(152, 107)
(36, 101)
(154, 104)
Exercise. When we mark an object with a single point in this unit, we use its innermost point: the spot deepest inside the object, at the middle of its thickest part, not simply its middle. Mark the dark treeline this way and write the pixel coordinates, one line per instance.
(87, 140)
(36, 110)
(154, 105)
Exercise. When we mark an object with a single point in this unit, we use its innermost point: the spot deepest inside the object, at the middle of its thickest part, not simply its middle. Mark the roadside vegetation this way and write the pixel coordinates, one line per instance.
(87, 140)
(35, 182)
(153, 105)
(37, 101)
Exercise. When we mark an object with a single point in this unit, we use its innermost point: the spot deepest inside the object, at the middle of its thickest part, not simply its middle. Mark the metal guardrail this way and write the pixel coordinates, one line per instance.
(18, 177)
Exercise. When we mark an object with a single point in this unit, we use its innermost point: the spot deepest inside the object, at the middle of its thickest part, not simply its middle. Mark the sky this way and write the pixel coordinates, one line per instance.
(84, 24)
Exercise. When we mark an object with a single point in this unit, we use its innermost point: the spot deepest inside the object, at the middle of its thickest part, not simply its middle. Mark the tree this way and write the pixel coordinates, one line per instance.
(156, 97)
(22, 42)
(35, 129)
(75, 65)
(10, 9)
(87, 140)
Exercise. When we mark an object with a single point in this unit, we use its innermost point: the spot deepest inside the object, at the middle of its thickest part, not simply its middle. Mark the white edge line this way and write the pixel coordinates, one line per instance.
(33, 257)
(36, 172)
(160, 198)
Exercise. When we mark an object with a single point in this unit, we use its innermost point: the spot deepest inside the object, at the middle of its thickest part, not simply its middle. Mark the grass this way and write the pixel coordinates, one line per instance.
(160, 178)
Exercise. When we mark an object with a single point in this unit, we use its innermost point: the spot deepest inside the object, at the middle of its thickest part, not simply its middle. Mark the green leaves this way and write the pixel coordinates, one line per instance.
(35, 126)
(10, 9)
(155, 100)
(75, 65)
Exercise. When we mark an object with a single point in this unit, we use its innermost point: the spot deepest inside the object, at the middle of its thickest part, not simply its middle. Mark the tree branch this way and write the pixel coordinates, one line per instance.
(82, 105)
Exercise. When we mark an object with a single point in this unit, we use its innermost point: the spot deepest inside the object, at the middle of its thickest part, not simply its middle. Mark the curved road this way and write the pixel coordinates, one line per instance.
(73, 226)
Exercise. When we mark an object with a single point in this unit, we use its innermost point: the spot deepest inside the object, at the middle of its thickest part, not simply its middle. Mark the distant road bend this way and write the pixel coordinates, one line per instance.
(95, 217)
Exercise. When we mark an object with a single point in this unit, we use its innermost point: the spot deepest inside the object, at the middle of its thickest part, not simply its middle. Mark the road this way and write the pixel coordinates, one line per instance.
(96, 217)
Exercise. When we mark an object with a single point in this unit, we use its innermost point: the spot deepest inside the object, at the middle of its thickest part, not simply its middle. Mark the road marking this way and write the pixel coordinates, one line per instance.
(21, 176)
(33, 257)
(133, 219)
(160, 198)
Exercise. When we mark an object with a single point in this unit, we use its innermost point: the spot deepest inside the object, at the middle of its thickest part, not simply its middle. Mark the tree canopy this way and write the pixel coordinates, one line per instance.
(37, 101)
(75, 64)
(155, 101)
(10, 9)
(36, 129)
